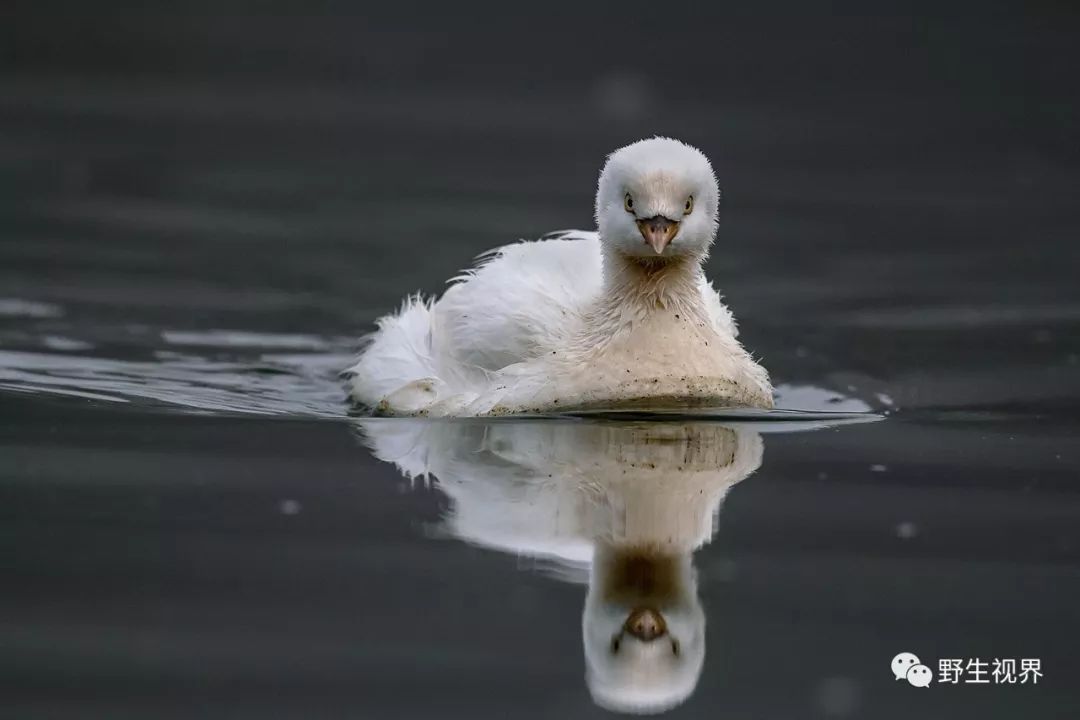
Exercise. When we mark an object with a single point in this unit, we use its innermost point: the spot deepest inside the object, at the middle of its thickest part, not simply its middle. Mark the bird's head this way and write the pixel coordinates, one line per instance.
(657, 199)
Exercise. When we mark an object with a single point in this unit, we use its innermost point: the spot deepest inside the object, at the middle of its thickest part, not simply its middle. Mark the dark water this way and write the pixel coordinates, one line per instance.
(202, 209)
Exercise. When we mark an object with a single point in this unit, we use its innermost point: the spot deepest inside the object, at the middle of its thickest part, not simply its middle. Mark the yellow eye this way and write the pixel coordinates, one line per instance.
(689, 205)
(628, 203)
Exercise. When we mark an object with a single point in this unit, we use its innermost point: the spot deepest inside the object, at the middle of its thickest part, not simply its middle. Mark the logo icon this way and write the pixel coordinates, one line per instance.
(904, 662)
(907, 666)
(920, 676)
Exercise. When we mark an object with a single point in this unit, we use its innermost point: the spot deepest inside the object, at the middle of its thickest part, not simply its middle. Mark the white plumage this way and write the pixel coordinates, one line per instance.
(622, 317)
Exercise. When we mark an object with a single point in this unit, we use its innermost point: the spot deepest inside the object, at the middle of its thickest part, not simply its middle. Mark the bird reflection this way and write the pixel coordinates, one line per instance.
(625, 503)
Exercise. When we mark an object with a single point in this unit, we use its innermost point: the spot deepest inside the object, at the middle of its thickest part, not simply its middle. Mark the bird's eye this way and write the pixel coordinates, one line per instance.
(628, 203)
(674, 647)
(689, 205)
(615, 644)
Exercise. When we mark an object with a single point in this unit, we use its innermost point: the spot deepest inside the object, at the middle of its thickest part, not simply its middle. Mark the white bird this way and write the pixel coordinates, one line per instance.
(619, 318)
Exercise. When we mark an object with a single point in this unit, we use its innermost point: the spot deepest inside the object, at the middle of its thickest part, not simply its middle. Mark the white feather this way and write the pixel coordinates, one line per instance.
(581, 319)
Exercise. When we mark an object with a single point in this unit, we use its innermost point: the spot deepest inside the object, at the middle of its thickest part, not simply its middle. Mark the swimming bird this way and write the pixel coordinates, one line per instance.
(622, 317)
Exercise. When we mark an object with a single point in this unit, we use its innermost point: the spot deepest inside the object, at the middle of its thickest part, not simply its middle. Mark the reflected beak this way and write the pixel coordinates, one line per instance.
(645, 624)
(658, 231)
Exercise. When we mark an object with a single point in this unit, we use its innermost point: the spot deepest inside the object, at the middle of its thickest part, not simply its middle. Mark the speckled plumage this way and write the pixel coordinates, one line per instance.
(581, 319)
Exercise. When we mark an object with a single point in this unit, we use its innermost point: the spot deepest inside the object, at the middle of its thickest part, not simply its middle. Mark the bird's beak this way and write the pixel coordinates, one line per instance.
(645, 624)
(658, 231)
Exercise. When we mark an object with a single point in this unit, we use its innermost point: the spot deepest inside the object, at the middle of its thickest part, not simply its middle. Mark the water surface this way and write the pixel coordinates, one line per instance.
(204, 210)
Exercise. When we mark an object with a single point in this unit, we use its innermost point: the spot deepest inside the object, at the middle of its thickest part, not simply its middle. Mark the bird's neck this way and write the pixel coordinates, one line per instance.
(643, 286)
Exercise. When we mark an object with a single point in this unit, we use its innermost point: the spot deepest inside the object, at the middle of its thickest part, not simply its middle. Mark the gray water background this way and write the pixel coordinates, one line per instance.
(203, 208)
